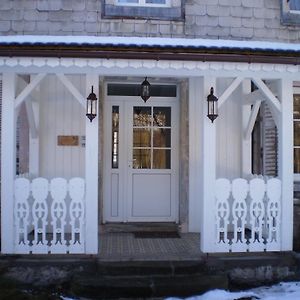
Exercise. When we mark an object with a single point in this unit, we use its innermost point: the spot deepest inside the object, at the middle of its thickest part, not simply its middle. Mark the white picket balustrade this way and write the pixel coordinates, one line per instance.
(49, 215)
(248, 215)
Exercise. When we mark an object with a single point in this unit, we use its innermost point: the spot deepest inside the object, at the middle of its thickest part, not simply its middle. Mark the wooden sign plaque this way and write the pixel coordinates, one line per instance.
(67, 140)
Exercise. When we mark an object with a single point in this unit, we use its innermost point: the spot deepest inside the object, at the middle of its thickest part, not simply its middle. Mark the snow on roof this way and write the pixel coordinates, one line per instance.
(147, 42)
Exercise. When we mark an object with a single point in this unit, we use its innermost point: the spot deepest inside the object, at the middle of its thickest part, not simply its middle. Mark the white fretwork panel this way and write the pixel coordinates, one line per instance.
(247, 215)
(49, 215)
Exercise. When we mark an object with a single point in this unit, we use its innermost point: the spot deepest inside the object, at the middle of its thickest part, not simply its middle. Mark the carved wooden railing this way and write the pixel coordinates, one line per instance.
(247, 215)
(49, 215)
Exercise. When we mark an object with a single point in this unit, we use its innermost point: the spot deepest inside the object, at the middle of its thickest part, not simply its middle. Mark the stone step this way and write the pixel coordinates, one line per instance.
(104, 287)
(145, 268)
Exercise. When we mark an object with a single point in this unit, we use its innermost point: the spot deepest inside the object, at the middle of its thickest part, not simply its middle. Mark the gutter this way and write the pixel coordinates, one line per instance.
(153, 53)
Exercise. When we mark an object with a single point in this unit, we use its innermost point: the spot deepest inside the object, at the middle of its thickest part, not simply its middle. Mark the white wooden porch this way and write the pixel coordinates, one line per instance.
(217, 207)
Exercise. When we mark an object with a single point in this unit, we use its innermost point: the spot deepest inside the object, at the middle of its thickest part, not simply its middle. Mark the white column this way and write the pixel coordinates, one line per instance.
(8, 162)
(195, 164)
(91, 173)
(246, 143)
(285, 162)
(208, 170)
(34, 143)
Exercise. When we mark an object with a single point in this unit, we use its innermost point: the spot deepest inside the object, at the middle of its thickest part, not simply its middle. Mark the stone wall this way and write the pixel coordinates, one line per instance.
(223, 19)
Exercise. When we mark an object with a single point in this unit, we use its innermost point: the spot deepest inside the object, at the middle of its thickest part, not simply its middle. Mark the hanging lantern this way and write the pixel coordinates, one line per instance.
(145, 90)
(91, 105)
(212, 105)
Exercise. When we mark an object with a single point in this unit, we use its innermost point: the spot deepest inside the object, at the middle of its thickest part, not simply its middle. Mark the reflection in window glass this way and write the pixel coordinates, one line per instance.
(142, 116)
(141, 159)
(156, 1)
(161, 137)
(161, 159)
(141, 137)
(162, 116)
(294, 4)
(151, 137)
(115, 137)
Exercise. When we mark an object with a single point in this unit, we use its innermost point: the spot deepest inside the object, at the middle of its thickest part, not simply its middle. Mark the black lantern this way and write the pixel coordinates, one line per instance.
(91, 105)
(212, 105)
(145, 90)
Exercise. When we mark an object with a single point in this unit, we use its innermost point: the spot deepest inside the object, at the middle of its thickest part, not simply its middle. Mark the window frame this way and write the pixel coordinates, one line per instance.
(173, 11)
(289, 16)
(142, 3)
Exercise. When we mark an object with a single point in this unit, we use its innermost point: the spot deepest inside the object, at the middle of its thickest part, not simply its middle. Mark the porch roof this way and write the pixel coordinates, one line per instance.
(150, 48)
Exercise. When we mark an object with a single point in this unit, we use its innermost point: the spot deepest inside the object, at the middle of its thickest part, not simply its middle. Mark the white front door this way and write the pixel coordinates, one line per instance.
(141, 160)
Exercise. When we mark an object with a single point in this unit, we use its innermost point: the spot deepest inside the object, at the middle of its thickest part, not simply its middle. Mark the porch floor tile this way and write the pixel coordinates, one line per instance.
(124, 246)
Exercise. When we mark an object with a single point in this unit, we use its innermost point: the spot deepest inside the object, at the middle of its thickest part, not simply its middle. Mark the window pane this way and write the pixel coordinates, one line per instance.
(294, 4)
(157, 90)
(142, 116)
(161, 159)
(155, 1)
(296, 160)
(162, 116)
(141, 159)
(296, 106)
(115, 137)
(141, 137)
(297, 133)
(128, 1)
(161, 137)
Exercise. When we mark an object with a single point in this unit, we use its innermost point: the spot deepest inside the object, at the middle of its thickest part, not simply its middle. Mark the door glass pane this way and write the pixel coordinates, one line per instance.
(161, 159)
(141, 159)
(161, 137)
(297, 133)
(115, 137)
(296, 106)
(141, 137)
(162, 116)
(296, 160)
(142, 116)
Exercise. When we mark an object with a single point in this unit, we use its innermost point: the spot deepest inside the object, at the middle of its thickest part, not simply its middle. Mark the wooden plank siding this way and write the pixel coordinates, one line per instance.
(61, 114)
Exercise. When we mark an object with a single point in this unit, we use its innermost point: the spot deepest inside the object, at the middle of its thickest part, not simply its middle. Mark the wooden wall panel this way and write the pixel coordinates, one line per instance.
(61, 114)
(229, 133)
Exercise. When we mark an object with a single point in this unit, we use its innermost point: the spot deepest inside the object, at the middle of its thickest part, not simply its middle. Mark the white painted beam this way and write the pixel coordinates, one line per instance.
(285, 162)
(236, 82)
(270, 97)
(251, 98)
(72, 89)
(8, 162)
(29, 88)
(91, 173)
(195, 163)
(252, 119)
(208, 171)
(29, 110)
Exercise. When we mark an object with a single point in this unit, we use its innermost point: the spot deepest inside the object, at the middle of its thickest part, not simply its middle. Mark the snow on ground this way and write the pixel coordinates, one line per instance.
(281, 291)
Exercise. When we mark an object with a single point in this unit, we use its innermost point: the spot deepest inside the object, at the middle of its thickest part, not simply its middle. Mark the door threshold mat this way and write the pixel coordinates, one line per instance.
(156, 235)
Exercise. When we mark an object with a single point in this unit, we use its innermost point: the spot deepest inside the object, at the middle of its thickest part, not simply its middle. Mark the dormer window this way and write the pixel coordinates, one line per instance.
(153, 3)
(170, 10)
(290, 12)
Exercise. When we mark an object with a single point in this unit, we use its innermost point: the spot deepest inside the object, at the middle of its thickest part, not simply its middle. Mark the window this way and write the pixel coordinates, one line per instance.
(149, 3)
(290, 12)
(170, 10)
(297, 133)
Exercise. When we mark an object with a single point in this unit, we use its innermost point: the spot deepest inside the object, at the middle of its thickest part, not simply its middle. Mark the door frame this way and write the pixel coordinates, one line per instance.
(124, 102)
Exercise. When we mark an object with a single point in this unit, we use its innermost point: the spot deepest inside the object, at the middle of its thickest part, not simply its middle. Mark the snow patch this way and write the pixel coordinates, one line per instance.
(281, 291)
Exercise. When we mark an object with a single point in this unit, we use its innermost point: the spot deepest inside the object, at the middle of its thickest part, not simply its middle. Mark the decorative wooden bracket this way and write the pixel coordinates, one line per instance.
(229, 90)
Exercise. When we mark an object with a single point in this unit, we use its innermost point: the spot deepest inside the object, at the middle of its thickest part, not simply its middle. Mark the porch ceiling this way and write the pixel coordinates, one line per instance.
(150, 48)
